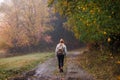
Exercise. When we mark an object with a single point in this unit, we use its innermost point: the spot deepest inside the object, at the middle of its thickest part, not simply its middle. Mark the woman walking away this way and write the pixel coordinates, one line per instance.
(61, 51)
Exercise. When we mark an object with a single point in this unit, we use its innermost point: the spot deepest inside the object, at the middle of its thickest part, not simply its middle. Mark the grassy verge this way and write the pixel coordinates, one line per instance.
(14, 66)
(103, 66)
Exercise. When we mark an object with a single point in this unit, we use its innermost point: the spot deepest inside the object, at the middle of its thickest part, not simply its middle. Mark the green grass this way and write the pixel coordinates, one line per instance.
(14, 66)
(103, 66)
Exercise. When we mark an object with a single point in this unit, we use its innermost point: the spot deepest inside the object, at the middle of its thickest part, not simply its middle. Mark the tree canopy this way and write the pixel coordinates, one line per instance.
(24, 23)
(91, 20)
(31, 24)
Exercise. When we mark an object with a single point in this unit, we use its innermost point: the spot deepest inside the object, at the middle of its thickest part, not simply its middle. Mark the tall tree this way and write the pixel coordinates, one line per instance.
(91, 20)
(25, 22)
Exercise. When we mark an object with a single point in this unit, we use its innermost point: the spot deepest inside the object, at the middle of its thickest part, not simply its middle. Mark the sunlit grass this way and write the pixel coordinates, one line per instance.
(13, 66)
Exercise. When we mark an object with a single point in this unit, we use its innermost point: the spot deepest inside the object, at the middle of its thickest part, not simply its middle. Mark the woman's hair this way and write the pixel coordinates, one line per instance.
(61, 40)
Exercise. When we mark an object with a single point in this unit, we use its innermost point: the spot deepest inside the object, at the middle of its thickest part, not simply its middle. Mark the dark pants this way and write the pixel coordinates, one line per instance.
(60, 61)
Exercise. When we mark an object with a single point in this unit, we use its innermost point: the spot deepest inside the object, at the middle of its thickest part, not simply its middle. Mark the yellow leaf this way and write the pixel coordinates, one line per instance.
(91, 11)
(104, 33)
(118, 77)
(83, 9)
(118, 62)
(109, 40)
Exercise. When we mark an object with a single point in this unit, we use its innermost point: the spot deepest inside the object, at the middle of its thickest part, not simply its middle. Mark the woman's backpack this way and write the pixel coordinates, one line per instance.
(60, 49)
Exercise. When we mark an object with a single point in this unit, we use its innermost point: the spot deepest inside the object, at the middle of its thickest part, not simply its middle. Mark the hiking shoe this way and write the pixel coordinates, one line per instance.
(61, 70)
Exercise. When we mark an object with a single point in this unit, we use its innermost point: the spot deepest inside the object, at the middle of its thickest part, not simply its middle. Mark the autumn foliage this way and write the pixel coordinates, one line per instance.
(92, 21)
(23, 23)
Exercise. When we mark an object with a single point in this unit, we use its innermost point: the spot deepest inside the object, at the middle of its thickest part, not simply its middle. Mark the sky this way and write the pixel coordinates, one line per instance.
(1, 1)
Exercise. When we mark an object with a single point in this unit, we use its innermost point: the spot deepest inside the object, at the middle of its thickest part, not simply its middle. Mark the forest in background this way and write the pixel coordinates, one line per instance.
(30, 25)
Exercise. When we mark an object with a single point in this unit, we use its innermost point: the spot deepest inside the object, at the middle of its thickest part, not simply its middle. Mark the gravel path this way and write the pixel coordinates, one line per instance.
(48, 70)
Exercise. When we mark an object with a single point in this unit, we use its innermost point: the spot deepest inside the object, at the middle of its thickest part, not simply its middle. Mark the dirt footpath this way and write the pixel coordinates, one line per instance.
(49, 70)
(75, 72)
